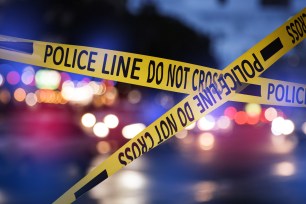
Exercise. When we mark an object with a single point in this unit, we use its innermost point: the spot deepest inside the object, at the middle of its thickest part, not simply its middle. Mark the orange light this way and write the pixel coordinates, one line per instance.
(5, 96)
(19, 94)
(206, 141)
(241, 118)
(103, 147)
(252, 120)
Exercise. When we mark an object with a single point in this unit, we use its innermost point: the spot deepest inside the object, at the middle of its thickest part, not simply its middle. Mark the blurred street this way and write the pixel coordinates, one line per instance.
(55, 127)
(241, 167)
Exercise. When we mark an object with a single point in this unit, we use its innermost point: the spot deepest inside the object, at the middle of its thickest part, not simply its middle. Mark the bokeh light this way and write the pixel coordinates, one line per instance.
(88, 120)
(5, 96)
(1, 80)
(241, 118)
(253, 109)
(103, 147)
(132, 130)
(281, 126)
(111, 121)
(134, 96)
(49, 96)
(252, 120)
(13, 77)
(47, 79)
(304, 128)
(20, 94)
(284, 144)
(100, 130)
(81, 95)
(288, 127)
(276, 126)
(224, 122)
(31, 99)
(204, 191)
(284, 169)
(206, 123)
(270, 114)
(182, 134)
(206, 141)
(230, 112)
(97, 89)
(166, 100)
(28, 75)
(132, 180)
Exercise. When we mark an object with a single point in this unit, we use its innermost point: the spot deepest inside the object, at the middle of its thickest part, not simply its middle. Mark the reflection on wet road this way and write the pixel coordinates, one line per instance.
(169, 175)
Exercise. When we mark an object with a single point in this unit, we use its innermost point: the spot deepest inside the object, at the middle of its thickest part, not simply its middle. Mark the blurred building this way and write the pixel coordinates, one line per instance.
(233, 25)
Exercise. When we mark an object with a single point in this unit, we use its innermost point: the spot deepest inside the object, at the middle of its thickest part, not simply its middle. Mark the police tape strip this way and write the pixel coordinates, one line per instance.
(26, 47)
(119, 66)
(143, 70)
(178, 77)
(272, 92)
(244, 69)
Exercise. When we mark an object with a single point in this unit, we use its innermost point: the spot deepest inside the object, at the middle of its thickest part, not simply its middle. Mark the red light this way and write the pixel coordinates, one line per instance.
(230, 112)
(252, 120)
(241, 118)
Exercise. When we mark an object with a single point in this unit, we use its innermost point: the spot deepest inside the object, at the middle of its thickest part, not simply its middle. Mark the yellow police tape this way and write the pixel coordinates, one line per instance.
(245, 69)
(170, 75)
(273, 92)
(130, 68)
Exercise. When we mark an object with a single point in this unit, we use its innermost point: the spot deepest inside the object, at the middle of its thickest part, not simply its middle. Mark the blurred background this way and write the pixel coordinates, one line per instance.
(56, 126)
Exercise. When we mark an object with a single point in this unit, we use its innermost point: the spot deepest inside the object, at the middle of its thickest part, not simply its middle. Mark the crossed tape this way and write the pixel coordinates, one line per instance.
(208, 88)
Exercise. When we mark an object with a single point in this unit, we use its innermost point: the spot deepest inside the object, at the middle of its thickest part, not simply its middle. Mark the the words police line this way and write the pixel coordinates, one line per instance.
(115, 66)
(175, 76)
(132, 68)
(152, 71)
(270, 91)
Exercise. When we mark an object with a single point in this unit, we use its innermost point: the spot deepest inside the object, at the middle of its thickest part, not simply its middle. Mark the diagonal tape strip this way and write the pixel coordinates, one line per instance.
(244, 69)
